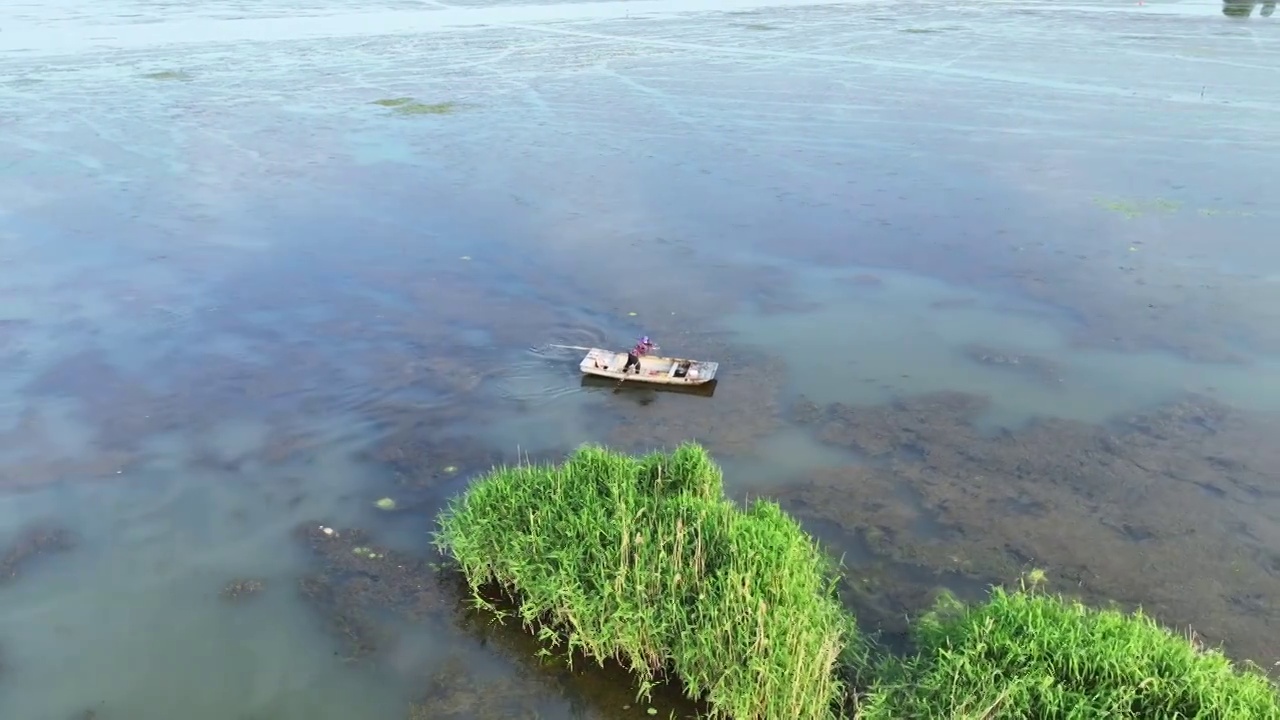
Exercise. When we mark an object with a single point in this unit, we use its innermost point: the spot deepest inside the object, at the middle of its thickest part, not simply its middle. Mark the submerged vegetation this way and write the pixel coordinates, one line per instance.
(242, 588)
(409, 106)
(645, 560)
(1136, 208)
(33, 542)
(176, 75)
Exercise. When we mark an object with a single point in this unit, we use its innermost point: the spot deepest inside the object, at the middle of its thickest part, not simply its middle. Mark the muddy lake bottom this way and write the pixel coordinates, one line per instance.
(267, 266)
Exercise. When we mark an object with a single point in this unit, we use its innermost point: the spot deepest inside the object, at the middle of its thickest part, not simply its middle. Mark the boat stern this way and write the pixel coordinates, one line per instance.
(597, 361)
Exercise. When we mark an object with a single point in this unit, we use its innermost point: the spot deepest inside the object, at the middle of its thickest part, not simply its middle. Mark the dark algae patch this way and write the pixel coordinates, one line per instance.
(454, 693)
(1035, 368)
(241, 589)
(31, 544)
(1171, 509)
(359, 579)
(645, 561)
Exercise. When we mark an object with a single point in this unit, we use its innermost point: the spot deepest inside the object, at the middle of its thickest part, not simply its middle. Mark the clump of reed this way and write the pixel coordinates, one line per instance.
(1028, 654)
(645, 560)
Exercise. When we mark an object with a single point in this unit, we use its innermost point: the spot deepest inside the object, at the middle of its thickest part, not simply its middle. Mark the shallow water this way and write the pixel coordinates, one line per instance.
(130, 622)
(905, 334)
(243, 295)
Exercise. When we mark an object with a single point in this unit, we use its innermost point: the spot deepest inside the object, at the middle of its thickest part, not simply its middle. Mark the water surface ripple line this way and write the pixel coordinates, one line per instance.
(25, 39)
(938, 69)
(52, 36)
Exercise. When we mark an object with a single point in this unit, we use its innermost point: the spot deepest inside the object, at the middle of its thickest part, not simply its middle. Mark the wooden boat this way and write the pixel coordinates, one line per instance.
(653, 368)
(595, 382)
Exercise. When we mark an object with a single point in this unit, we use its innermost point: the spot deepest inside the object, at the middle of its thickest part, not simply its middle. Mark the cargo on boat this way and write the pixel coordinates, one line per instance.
(653, 368)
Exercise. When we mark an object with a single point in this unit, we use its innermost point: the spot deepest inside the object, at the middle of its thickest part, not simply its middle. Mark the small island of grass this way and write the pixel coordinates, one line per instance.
(646, 561)
(1028, 654)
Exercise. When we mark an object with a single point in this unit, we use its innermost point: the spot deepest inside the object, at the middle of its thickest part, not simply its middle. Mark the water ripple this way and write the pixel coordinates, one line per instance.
(550, 372)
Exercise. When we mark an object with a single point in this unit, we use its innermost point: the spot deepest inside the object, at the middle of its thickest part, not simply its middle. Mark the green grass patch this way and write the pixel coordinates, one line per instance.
(1028, 654)
(645, 560)
(417, 108)
(1136, 208)
(409, 106)
(173, 75)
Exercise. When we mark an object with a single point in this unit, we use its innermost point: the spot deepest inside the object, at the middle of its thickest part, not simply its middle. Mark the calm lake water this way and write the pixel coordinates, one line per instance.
(265, 264)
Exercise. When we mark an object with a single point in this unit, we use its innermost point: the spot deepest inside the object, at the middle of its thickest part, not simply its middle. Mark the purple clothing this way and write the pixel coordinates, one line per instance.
(641, 349)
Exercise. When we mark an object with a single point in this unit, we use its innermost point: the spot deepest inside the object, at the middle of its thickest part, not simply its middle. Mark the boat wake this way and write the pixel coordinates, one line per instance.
(551, 371)
(540, 382)
(567, 342)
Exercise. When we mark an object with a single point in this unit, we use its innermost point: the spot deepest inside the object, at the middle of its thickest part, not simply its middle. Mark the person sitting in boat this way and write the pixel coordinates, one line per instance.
(633, 356)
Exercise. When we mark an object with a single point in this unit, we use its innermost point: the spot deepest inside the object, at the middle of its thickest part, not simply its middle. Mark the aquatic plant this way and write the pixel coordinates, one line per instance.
(168, 75)
(644, 559)
(1136, 208)
(242, 588)
(417, 108)
(409, 106)
(358, 580)
(33, 542)
(1028, 654)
